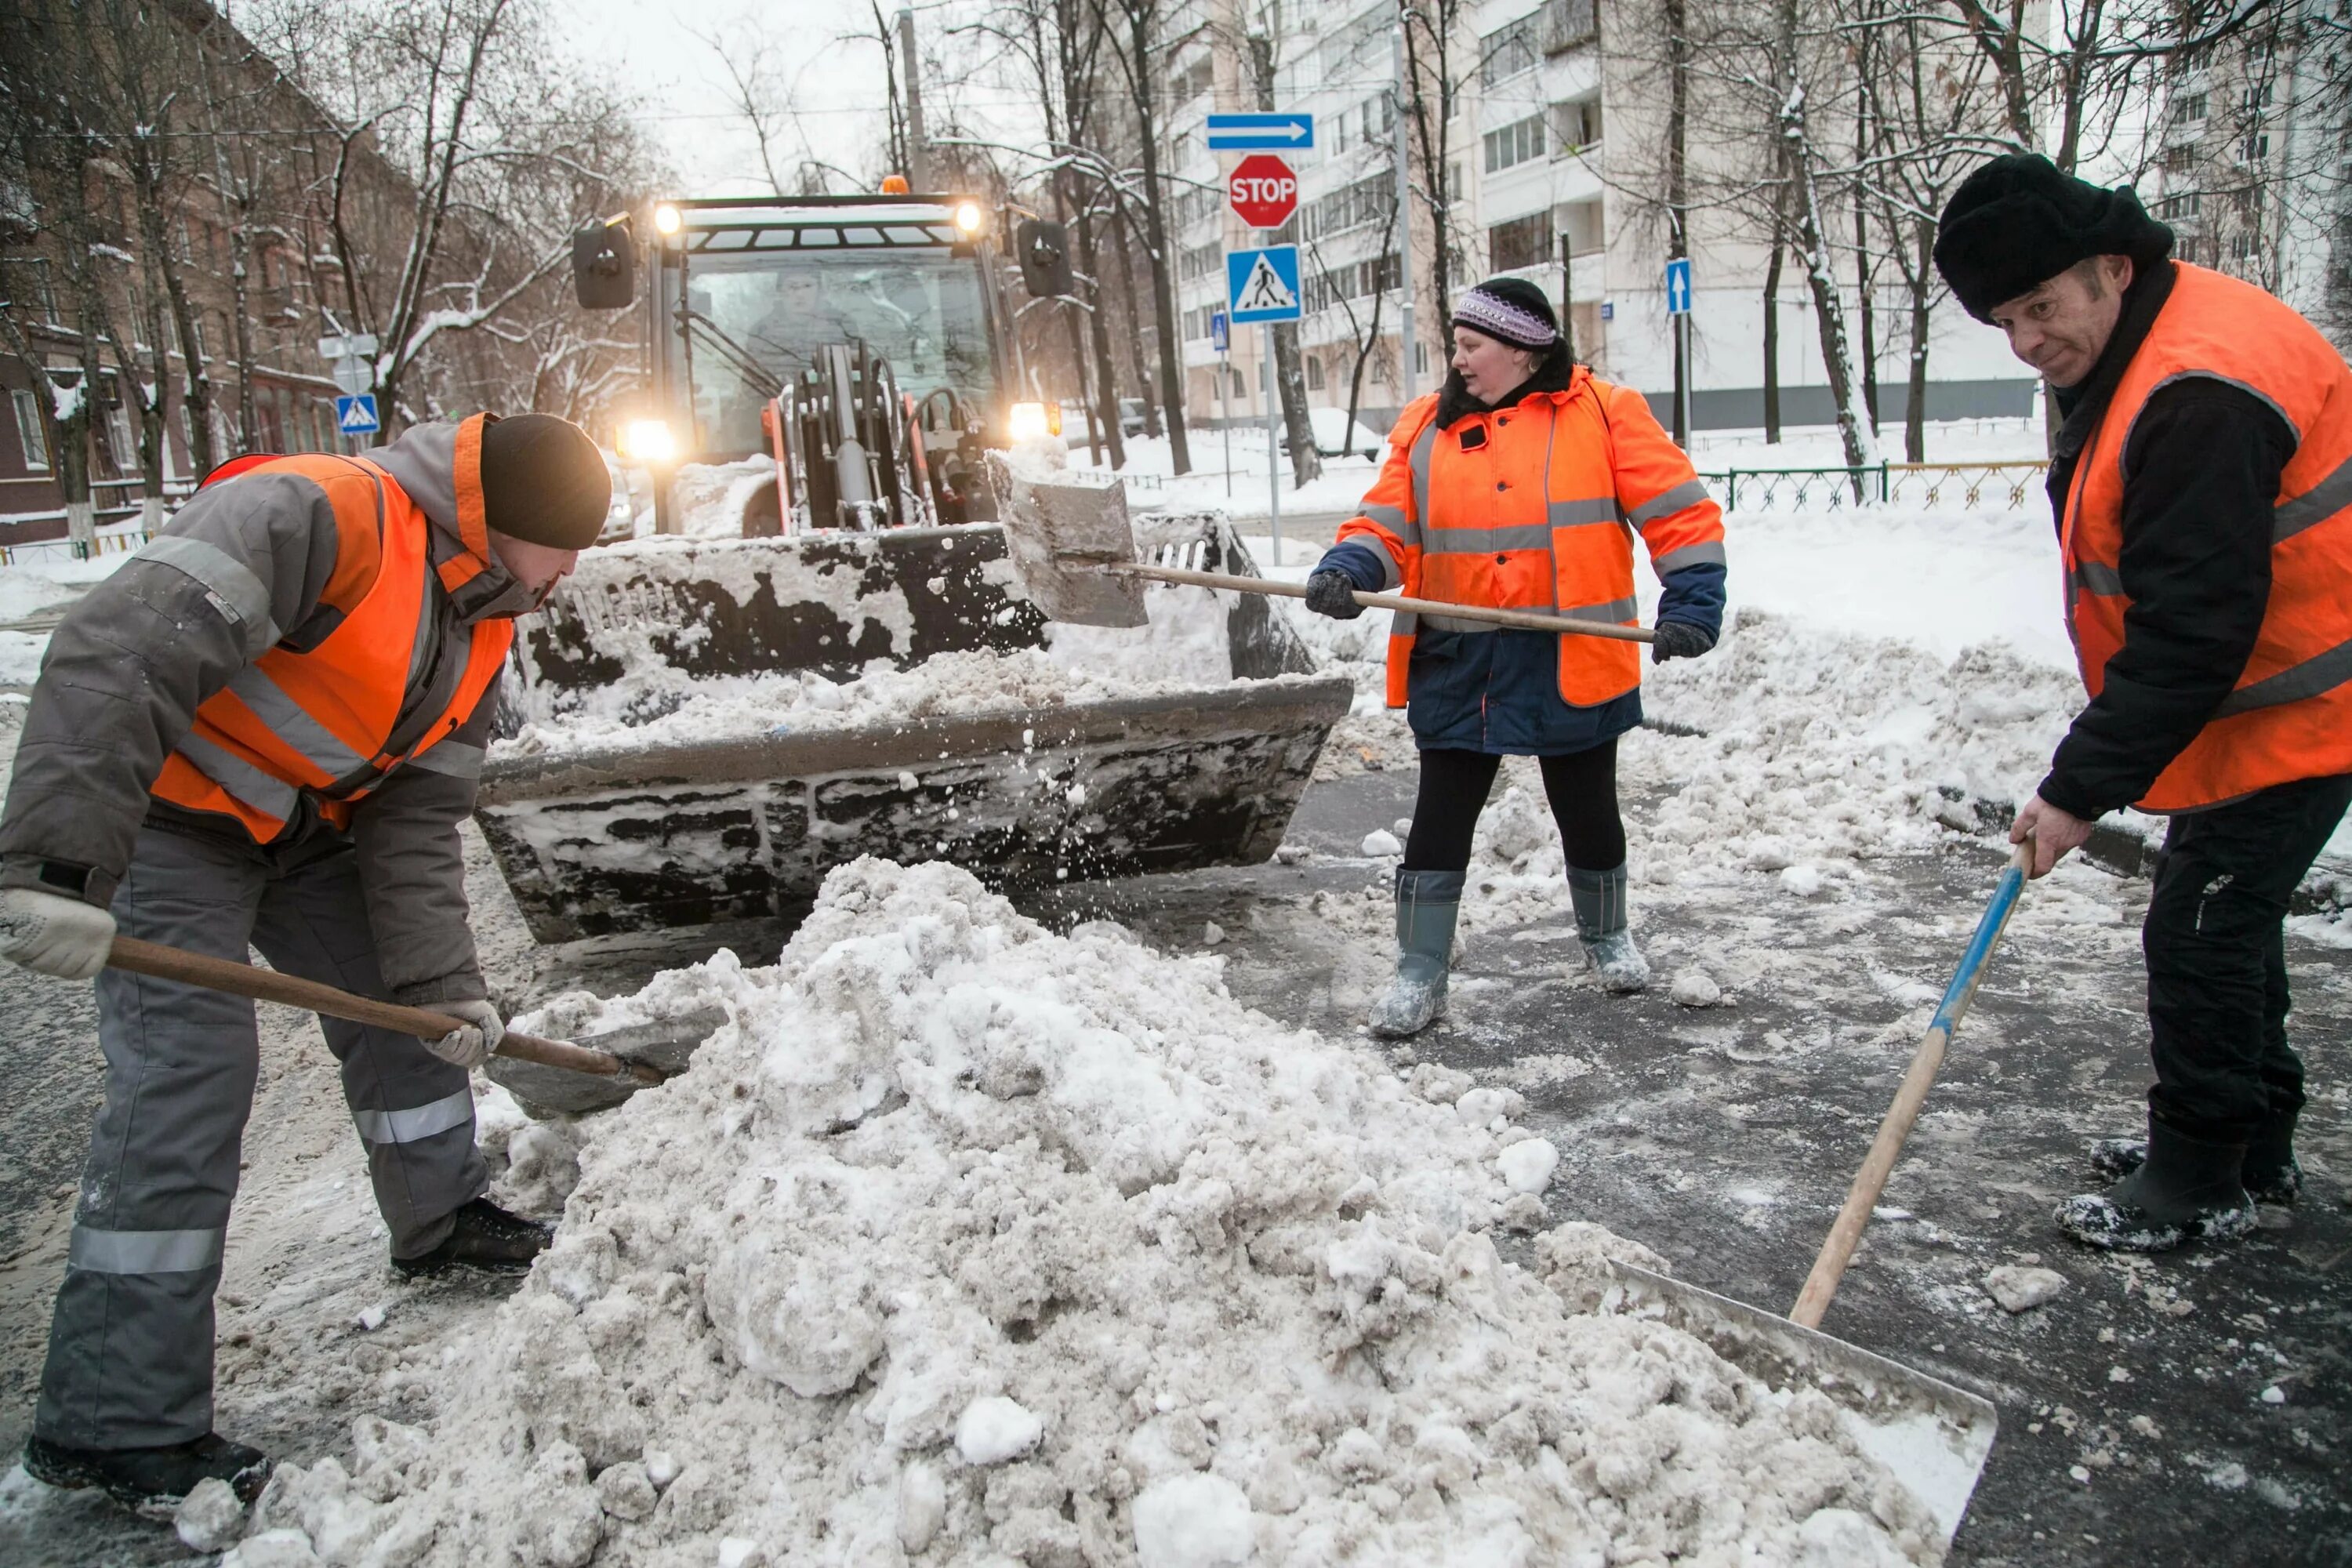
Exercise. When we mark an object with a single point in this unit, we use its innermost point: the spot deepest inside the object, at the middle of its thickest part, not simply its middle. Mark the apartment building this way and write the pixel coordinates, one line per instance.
(1548, 163)
(2253, 161)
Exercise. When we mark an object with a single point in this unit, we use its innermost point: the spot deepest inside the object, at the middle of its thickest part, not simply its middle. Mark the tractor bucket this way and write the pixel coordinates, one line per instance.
(617, 837)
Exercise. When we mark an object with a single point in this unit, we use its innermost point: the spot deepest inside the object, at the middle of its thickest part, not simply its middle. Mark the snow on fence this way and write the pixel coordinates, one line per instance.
(1960, 486)
(120, 538)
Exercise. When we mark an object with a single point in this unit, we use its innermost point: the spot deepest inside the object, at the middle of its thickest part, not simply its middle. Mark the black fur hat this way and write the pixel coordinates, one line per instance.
(2018, 222)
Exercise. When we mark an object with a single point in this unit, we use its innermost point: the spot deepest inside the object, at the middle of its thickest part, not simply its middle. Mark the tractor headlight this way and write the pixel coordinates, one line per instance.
(647, 441)
(666, 218)
(1029, 421)
(969, 217)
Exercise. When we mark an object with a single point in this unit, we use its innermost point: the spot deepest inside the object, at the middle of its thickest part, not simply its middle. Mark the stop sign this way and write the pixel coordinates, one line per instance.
(1262, 190)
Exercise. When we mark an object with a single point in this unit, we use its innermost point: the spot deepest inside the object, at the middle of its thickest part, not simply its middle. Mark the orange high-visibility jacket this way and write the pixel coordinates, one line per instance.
(1536, 512)
(334, 716)
(2290, 716)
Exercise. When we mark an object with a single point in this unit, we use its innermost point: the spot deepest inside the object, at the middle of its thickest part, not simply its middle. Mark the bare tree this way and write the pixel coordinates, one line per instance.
(1138, 36)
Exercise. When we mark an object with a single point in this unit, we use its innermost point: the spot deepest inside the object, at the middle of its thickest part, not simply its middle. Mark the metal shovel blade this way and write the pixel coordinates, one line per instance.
(667, 1044)
(1060, 534)
(1933, 1436)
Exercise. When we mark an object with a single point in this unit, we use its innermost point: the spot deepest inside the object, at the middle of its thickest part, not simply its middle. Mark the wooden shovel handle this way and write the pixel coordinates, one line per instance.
(1845, 1235)
(266, 985)
(1525, 620)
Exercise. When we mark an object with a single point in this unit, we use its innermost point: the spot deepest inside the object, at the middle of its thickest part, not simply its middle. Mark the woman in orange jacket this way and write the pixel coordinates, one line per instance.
(1519, 486)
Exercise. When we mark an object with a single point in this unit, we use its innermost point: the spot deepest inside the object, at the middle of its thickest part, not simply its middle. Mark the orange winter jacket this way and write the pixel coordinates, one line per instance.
(2290, 716)
(335, 715)
(1534, 506)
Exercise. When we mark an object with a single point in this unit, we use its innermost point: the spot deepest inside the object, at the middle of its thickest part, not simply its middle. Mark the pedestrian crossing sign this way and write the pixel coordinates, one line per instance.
(355, 414)
(1262, 285)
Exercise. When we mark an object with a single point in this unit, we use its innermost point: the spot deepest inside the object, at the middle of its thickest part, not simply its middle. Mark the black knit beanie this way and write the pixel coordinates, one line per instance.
(544, 481)
(1508, 310)
(2018, 222)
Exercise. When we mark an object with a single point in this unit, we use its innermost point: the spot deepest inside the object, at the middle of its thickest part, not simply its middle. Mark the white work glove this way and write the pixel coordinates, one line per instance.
(53, 934)
(470, 1046)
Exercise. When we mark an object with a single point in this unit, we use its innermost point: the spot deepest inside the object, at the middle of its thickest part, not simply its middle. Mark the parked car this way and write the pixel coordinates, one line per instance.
(1131, 416)
(1335, 436)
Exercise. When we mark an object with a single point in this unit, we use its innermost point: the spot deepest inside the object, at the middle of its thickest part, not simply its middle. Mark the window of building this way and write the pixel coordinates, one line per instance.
(2189, 109)
(2255, 147)
(25, 279)
(1515, 143)
(2181, 203)
(1576, 125)
(1580, 224)
(1377, 116)
(1419, 357)
(1200, 260)
(1314, 374)
(122, 438)
(30, 431)
(1520, 242)
(1510, 50)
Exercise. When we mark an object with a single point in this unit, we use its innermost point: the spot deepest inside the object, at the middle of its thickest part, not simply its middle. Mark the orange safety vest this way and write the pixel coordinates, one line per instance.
(326, 719)
(1533, 506)
(2290, 716)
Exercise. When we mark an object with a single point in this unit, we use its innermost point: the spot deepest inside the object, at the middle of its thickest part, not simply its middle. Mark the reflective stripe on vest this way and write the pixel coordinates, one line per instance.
(322, 719)
(2290, 716)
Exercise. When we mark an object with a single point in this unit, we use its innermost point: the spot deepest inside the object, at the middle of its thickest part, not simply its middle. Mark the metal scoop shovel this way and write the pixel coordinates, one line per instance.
(1075, 550)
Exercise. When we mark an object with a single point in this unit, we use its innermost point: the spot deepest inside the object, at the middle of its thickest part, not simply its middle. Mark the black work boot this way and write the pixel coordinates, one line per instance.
(484, 1237)
(2183, 1189)
(150, 1478)
(2272, 1175)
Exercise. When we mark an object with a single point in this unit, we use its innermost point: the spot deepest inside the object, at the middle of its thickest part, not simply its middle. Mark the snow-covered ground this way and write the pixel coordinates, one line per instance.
(35, 582)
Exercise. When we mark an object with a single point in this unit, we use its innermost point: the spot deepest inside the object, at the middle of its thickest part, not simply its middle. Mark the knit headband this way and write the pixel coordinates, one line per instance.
(1501, 319)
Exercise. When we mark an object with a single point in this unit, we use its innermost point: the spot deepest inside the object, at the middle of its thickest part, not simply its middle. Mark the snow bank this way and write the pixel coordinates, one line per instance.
(969, 1242)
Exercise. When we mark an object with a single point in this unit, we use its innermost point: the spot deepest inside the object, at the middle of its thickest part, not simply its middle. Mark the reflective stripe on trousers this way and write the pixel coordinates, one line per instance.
(130, 1345)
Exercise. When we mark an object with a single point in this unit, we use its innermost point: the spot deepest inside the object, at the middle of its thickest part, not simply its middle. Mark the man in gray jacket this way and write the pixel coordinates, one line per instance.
(265, 730)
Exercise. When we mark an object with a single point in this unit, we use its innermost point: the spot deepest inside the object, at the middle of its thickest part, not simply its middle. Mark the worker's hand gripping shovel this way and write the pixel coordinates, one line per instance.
(1846, 1234)
(1074, 550)
(625, 1074)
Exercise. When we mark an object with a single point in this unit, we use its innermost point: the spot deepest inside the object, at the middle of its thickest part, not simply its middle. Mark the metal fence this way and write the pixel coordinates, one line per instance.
(1970, 487)
(109, 542)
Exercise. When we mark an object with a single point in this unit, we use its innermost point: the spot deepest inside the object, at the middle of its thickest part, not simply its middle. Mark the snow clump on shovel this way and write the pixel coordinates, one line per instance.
(970, 1242)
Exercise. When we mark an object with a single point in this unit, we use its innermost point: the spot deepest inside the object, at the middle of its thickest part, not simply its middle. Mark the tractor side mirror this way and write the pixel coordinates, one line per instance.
(604, 266)
(1045, 251)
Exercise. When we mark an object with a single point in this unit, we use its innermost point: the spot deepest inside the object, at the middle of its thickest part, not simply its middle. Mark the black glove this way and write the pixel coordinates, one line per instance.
(1680, 639)
(1333, 594)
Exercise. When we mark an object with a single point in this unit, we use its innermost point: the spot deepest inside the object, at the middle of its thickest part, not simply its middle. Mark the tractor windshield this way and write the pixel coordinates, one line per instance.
(922, 310)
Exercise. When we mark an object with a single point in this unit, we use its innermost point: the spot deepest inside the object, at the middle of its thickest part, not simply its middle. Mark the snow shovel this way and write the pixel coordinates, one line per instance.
(1075, 550)
(611, 1070)
(1871, 1181)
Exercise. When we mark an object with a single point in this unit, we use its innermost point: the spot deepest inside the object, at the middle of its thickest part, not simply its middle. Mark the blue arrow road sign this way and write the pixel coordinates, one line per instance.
(1253, 132)
(355, 415)
(1678, 286)
(1262, 285)
(1220, 336)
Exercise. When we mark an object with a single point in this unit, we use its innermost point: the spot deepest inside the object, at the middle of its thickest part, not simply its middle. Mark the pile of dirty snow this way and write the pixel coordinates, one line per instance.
(967, 1243)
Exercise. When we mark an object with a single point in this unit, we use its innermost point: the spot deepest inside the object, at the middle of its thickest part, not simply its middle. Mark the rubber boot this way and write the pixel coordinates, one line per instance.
(2185, 1189)
(1427, 903)
(150, 1478)
(484, 1237)
(1609, 950)
(2272, 1176)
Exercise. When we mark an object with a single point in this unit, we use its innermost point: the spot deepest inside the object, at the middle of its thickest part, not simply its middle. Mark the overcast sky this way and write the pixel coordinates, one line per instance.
(839, 86)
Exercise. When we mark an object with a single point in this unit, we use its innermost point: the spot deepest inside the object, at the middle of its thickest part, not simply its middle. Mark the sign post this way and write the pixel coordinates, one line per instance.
(1678, 310)
(1220, 338)
(1262, 287)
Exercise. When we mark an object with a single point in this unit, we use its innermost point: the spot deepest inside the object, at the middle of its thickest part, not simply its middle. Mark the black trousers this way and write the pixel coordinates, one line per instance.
(1582, 788)
(2215, 940)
